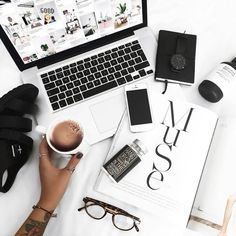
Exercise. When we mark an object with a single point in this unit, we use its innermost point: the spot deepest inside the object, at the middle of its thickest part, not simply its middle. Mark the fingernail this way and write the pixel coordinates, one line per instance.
(79, 155)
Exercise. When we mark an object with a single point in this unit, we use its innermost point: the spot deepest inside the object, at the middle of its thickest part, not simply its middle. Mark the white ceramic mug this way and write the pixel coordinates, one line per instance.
(82, 147)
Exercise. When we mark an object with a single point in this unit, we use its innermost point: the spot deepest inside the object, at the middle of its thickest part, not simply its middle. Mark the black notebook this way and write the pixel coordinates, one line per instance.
(175, 61)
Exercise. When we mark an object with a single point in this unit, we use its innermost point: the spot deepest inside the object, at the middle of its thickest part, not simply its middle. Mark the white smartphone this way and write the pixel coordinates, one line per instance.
(138, 106)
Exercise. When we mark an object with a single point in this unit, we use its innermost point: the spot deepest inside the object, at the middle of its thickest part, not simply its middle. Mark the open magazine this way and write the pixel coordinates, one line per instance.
(166, 180)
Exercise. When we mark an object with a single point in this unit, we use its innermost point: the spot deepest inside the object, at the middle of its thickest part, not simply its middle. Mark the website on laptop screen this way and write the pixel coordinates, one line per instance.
(41, 28)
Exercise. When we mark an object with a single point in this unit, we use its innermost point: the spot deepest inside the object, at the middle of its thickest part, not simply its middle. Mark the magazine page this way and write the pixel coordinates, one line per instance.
(166, 180)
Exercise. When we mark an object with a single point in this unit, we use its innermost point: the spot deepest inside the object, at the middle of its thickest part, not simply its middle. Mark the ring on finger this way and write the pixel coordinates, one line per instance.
(43, 154)
(70, 169)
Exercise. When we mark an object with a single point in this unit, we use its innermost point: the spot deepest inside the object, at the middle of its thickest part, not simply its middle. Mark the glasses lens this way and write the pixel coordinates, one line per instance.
(95, 211)
(123, 222)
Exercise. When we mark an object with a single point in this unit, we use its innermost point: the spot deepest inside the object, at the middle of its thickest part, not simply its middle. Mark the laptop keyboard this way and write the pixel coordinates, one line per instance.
(93, 75)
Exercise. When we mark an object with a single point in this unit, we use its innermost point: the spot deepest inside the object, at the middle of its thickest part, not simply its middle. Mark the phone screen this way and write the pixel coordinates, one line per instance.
(139, 108)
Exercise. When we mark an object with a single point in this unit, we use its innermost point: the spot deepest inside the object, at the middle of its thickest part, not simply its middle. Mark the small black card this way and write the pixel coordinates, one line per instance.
(175, 61)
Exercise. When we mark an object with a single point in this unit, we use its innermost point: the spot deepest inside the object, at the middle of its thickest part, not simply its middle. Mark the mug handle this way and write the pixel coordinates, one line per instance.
(41, 129)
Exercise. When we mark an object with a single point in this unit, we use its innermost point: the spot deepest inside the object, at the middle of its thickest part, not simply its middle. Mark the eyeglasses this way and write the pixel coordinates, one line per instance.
(121, 219)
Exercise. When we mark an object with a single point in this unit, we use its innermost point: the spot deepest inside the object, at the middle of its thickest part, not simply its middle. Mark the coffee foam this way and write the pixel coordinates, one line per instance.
(66, 135)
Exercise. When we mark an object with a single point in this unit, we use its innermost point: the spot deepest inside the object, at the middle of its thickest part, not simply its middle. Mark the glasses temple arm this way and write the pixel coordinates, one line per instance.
(81, 208)
(136, 227)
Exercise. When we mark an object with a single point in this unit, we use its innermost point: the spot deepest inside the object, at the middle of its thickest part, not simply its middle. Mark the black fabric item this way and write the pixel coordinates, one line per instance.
(166, 49)
(17, 123)
(18, 100)
(15, 149)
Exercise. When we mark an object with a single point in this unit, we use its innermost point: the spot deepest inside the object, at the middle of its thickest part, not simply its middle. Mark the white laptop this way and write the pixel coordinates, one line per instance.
(80, 54)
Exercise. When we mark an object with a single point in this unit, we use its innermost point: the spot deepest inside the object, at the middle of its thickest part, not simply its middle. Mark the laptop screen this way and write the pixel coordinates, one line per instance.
(41, 28)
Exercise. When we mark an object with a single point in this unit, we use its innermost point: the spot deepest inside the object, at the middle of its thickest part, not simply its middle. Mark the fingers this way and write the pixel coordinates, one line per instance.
(44, 155)
(73, 162)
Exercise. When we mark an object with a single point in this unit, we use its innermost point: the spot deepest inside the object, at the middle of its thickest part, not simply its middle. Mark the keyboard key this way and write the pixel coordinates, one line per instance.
(76, 90)
(104, 72)
(135, 42)
(90, 85)
(97, 82)
(62, 88)
(104, 80)
(142, 65)
(94, 62)
(101, 60)
(142, 73)
(55, 106)
(87, 65)
(70, 85)
(58, 82)
(77, 83)
(98, 75)
(52, 77)
(73, 70)
(114, 55)
(131, 69)
(83, 87)
(101, 54)
(72, 77)
(110, 77)
(91, 77)
(100, 67)
(65, 80)
(78, 97)
(80, 62)
(93, 70)
(117, 74)
(58, 70)
(114, 62)
(61, 95)
(66, 72)
(133, 54)
(136, 47)
(108, 52)
(44, 75)
(87, 59)
(120, 59)
(136, 77)
(121, 81)
(127, 50)
(128, 78)
(68, 93)
(138, 59)
(72, 64)
(53, 99)
(51, 72)
(80, 67)
(50, 86)
(79, 75)
(65, 67)
(107, 64)
(131, 62)
(59, 75)
(86, 72)
(149, 72)
(118, 67)
(99, 89)
(121, 53)
(114, 49)
(111, 70)
(124, 65)
(70, 100)
(62, 103)
(45, 80)
(107, 57)
(94, 57)
(121, 47)
(124, 72)
(84, 80)
(53, 92)
(128, 44)
(127, 57)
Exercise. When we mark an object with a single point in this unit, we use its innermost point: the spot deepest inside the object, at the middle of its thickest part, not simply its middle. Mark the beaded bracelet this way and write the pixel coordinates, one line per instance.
(43, 209)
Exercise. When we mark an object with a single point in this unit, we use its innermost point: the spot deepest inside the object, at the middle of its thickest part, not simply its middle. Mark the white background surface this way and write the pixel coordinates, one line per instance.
(214, 24)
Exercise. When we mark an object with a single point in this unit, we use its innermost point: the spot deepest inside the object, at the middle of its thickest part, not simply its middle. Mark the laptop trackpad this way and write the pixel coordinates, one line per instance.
(107, 113)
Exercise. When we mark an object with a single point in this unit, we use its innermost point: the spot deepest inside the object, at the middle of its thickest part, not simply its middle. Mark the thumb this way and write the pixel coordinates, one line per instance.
(75, 159)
